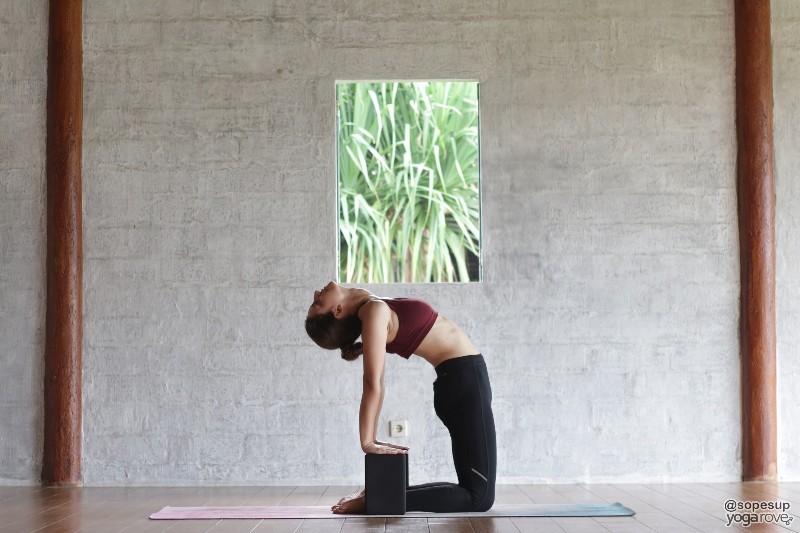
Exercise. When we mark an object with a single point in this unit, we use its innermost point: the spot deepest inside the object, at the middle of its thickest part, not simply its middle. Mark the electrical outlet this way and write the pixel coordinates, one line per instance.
(398, 428)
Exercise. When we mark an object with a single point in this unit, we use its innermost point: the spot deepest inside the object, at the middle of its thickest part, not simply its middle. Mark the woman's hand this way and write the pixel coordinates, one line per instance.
(390, 445)
(381, 448)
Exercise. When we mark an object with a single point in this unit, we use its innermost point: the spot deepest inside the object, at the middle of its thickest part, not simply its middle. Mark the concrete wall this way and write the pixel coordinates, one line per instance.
(609, 308)
(786, 78)
(23, 89)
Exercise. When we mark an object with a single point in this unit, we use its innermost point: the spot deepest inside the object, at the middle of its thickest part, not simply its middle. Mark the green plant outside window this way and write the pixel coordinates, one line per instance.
(409, 196)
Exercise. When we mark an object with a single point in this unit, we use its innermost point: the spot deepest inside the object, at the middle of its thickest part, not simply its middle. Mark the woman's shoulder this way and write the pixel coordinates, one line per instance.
(374, 308)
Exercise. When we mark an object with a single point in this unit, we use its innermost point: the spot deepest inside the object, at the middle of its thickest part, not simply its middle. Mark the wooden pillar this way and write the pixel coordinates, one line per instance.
(63, 363)
(756, 198)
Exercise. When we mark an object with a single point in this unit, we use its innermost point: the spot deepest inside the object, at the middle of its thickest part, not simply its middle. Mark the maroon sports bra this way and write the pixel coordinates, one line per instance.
(416, 319)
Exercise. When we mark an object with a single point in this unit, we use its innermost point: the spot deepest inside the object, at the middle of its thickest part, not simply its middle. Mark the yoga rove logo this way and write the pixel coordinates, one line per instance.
(745, 513)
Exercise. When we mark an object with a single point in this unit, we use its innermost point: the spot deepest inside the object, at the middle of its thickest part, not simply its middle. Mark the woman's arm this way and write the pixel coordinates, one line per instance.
(375, 317)
(380, 408)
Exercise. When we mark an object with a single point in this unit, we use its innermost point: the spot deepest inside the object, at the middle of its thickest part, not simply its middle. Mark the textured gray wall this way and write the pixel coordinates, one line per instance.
(609, 308)
(23, 89)
(786, 78)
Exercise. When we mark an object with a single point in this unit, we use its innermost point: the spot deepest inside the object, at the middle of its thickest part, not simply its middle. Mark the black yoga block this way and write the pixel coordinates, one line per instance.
(386, 481)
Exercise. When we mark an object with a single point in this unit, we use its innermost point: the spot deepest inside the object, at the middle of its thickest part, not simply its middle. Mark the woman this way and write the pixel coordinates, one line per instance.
(462, 395)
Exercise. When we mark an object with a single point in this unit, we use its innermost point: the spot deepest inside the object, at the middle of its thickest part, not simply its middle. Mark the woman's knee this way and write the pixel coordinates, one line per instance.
(485, 503)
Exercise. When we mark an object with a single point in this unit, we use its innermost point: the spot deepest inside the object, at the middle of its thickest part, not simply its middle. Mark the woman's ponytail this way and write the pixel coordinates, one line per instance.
(332, 333)
(351, 353)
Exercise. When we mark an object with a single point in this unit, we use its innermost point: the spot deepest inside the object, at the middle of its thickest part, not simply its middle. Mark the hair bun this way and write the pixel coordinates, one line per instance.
(351, 353)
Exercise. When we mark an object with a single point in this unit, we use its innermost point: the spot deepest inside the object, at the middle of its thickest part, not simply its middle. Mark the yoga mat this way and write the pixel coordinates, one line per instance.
(323, 511)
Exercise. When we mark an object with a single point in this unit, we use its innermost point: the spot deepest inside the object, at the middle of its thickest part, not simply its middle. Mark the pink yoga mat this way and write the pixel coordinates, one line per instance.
(216, 513)
(323, 511)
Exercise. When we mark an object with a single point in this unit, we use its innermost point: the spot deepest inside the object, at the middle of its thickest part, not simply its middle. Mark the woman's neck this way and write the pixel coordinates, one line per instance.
(357, 297)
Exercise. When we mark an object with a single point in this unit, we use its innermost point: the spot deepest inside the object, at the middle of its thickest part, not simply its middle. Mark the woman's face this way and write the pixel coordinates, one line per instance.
(326, 299)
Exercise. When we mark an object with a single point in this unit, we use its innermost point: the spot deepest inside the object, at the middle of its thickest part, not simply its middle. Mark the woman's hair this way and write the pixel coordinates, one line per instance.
(332, 333)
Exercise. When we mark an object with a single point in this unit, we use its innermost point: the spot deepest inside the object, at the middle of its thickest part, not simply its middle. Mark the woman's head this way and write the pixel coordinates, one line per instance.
(331, 333)
(329, 326)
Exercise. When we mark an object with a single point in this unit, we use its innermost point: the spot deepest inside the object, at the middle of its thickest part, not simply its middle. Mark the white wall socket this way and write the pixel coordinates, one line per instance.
(398, 428)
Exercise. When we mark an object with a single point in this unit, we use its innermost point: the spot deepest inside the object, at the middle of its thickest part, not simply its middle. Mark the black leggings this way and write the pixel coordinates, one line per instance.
(462, 398)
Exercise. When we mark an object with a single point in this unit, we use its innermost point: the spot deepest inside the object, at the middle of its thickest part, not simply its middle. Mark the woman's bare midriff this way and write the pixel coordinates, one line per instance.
(445, 341)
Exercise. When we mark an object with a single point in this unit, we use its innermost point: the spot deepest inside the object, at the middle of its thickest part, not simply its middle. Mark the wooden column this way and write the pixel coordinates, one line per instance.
(63, 363)
(756, 195)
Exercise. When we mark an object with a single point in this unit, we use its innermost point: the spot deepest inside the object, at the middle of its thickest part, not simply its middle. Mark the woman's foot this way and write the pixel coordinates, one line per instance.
(351, 504)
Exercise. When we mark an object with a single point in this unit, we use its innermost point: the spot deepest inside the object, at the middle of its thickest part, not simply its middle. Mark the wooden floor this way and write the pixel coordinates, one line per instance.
(667, 508)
